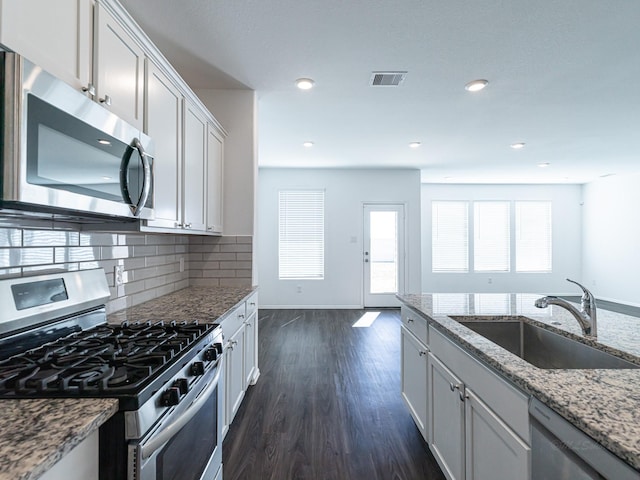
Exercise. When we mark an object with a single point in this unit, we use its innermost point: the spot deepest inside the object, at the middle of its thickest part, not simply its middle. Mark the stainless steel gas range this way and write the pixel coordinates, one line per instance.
(55, 342)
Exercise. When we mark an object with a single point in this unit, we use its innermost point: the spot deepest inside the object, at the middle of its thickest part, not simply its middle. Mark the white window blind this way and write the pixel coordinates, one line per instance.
(491, 237)
(450, 236)
(533, 236)
(301, 234)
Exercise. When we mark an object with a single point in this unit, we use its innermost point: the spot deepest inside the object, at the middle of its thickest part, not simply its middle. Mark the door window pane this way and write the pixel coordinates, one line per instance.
(383, 258)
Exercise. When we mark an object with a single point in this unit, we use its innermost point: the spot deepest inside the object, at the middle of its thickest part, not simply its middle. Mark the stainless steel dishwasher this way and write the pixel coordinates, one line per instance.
(559, 451)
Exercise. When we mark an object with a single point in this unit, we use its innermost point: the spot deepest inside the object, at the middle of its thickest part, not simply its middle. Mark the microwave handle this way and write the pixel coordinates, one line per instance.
(146, 180)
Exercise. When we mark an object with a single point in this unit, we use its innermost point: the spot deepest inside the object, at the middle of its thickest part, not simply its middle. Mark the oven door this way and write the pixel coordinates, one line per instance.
(187, 445)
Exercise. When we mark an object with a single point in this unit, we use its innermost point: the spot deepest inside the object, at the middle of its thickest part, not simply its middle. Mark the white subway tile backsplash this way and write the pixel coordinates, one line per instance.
(151, 262)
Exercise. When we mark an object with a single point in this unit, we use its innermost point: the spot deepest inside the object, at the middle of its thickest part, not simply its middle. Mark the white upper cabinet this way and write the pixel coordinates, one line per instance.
(214, 179)
(195, 137)
(54, 35)
(95, 46)
(164, 125)
(118, 68)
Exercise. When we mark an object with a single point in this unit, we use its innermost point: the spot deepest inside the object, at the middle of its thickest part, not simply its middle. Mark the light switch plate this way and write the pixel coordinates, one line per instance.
(118, 275)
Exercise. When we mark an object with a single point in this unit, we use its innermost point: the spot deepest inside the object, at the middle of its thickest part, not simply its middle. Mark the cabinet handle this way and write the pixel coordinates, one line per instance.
(463, 395)
(409, 320)
(106, 100)
(452, 386)
(187, 225)
(241, 315)
(422, 353)
(253, 304)
(90, 89)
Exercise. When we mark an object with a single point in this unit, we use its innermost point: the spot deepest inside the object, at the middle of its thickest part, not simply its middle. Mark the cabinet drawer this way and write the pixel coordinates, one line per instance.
(416, 324)
(509, 403)
(233, 321)
(252, 304)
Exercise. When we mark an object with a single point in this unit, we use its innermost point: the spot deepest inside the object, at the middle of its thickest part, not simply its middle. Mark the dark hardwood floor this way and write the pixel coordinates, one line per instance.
(327, 405)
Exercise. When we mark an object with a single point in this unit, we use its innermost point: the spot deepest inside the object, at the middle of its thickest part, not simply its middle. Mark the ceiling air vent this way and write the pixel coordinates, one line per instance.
(387, 79)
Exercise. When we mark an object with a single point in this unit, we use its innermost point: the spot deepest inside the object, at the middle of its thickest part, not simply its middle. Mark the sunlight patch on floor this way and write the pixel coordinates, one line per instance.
(366, 320)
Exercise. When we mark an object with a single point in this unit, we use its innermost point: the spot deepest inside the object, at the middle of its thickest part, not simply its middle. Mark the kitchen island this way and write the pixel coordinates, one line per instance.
(604, 404)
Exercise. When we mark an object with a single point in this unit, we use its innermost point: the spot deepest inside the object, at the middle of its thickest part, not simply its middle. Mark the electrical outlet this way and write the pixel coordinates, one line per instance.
(182, 264)
(490, 280)
(299, 289)
(118, 275)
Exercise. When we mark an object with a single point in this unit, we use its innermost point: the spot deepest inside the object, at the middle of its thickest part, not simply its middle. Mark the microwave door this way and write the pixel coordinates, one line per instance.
(77, 166)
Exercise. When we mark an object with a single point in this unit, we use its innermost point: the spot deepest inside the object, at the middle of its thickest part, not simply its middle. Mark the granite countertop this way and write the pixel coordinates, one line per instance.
(35, 434)
(202, 304)
(605, 404)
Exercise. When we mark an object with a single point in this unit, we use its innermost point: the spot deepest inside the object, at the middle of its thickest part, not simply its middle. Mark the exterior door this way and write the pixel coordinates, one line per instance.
(383, 254)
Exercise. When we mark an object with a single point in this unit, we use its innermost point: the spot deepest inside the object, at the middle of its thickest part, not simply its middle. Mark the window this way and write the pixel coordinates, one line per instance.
(491, 237)
(450, 236)
(301, 234)
(533, 236)
(499, 235)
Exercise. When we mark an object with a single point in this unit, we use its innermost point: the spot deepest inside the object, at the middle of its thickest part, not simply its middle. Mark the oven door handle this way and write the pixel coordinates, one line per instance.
(162, 437)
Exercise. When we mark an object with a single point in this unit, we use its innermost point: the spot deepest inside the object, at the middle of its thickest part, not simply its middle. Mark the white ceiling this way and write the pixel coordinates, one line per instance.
(562, 75)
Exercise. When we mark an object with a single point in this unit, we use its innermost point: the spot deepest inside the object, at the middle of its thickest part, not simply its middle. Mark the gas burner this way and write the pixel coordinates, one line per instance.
(106, 358)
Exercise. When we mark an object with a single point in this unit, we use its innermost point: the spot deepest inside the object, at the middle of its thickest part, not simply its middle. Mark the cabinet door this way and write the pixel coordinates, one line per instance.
(164, 125)
(250, 341)
(235, 374)
(214, 180)
(414, 378)
(118, 63)
(493, 450)
(446, 419)
(54, 35)
(195, 136)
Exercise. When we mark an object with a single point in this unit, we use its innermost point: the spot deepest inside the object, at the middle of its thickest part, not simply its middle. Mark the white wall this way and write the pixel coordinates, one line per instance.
(566, 254)
(345, 193)
(611, 245)
(235, 110)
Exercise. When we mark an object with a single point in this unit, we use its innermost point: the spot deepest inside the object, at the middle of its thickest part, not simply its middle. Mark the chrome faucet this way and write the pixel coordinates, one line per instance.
(586, 316)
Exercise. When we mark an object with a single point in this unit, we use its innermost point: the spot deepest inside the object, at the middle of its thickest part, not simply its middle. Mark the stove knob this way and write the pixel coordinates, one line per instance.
(182, 384)
(218, 347)
(197, 368)
(210, 354)
(171, 396)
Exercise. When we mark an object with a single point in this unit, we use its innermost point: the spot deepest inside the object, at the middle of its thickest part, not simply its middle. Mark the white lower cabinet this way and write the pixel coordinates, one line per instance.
(488, 438)
(234, 374)
(476, 423)
(240, 330)
(81, 463)
(414, 360)
(446, 419)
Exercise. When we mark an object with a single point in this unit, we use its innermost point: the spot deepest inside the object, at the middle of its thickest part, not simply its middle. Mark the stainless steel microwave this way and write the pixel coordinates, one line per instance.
(64, 155)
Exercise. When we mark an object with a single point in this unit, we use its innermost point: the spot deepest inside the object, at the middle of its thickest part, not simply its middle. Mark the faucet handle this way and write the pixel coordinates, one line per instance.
(587, 296)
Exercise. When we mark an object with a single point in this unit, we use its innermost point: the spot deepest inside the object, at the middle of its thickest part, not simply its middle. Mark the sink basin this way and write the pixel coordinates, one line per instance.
(543, 348)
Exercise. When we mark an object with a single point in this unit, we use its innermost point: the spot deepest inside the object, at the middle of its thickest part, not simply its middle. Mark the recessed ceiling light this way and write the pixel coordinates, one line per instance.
(105, 177)
(308, 144)
(476, 85)
(102, 141)
(304, 83)
(517, 146)
(607, 175)
(543, 165)
(414, 144)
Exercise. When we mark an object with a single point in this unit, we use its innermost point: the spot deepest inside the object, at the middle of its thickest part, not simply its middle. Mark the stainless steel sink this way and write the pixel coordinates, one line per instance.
(541, 347)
